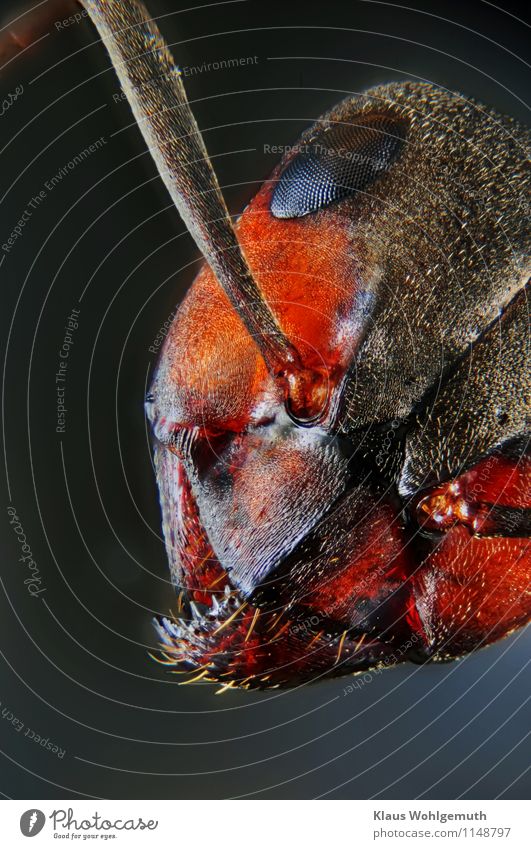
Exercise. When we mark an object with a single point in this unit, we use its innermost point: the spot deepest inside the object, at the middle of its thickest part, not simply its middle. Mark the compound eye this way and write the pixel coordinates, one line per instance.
(337, 163)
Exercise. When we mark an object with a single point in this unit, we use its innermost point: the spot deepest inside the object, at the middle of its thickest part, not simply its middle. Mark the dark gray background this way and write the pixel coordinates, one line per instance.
(75, 669)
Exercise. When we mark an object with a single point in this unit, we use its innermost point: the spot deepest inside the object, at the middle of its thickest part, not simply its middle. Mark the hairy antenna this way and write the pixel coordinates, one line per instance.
(154, 89)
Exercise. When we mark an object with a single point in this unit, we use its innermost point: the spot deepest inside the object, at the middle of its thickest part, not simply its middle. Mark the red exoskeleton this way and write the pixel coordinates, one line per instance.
(339, 411)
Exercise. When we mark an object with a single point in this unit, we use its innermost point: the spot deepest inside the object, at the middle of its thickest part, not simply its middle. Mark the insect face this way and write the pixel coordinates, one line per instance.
(339, 411)
(319, 524)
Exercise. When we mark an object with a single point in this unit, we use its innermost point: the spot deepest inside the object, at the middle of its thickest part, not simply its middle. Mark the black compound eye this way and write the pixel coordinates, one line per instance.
(336, 163)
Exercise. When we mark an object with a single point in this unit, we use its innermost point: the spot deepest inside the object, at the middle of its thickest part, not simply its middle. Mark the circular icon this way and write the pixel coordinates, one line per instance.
(31, 822)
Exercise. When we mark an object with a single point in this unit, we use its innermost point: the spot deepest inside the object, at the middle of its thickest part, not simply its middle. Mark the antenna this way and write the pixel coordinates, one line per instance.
(153, 86)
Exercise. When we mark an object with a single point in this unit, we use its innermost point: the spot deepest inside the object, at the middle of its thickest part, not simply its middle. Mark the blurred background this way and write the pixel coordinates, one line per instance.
(105, 240)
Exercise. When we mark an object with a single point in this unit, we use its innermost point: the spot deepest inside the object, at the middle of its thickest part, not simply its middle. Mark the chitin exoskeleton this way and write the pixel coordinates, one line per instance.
(339, 411)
